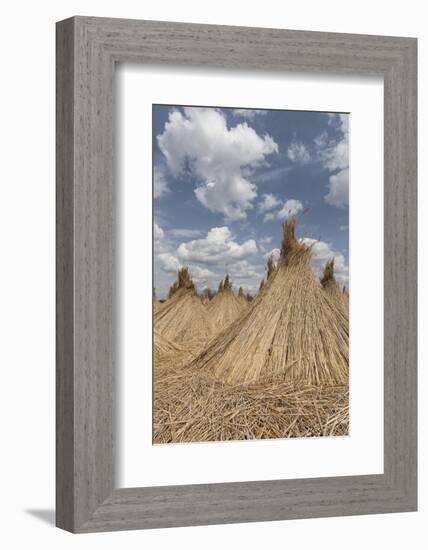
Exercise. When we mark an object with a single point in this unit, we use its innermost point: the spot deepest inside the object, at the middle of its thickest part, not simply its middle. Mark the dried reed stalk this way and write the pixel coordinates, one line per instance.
(192, 406)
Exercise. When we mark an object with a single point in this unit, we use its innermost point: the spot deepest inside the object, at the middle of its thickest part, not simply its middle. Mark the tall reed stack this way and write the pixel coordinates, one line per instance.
(242, 299)
(183, 318)
(330, 286)
(225, 307)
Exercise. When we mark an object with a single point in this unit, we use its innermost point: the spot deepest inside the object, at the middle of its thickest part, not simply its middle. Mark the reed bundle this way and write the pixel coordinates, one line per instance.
(330, 286)
(168, 354)
(270, 266)
(183, 318)
(242, 299)
(225, 307)
(291, 331)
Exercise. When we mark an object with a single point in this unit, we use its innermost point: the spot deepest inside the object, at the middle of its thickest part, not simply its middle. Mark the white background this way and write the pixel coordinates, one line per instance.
(362, 451)
(27, 274)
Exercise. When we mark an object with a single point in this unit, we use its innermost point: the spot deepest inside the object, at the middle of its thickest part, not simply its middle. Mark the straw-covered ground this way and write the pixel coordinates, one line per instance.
(191, 406)
(274, 367)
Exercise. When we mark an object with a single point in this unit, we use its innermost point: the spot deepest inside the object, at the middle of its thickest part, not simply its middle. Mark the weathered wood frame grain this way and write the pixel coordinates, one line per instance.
(87, 50)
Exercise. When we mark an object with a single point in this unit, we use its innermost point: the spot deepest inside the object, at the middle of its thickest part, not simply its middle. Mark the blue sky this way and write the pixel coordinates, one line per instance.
(225, 179)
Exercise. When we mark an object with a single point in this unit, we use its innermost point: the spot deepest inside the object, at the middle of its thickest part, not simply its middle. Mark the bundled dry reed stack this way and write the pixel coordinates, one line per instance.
(330, 286)
(291, 331)
(242, 298)
(163, 347)
(270, 266)
(169, 354)
(172, 289)
(328, 281)
(183, 318)
(225, 307)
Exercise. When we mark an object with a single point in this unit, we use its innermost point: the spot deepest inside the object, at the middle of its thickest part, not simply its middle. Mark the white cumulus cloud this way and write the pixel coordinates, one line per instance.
(220, 158)
(275, 253)
(297, 152)
(168, 262)
(269, 201)
(217, 248)
(338, 194)
(202, 274)
(158, 233)
(243, 271)
(334, 156)
(160, 186)
(291, 207)
(184, 233)
(269, 217)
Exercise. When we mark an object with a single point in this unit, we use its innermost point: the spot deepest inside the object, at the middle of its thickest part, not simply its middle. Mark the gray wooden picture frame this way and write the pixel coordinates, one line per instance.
(87, 50)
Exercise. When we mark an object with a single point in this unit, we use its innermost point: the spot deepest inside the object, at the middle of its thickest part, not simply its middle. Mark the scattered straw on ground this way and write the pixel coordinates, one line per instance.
(192, 406)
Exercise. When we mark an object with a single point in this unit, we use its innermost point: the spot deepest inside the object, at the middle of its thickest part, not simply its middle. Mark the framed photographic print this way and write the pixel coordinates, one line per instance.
(236, 274)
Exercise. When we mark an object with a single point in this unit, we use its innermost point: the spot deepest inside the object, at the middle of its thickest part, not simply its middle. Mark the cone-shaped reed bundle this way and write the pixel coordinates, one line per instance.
(172, 289)
(270, 266)
(163, 347)
(183, 318)
(169, 355)
(292, 330)
(328, 281)
(242, 298)
(227, 285)
(225, 306)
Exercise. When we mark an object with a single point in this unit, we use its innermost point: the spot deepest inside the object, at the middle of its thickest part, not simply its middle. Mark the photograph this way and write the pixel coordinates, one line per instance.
(250, 274)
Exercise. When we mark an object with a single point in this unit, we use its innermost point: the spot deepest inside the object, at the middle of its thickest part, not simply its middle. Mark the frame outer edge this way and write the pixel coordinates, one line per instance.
(85, 384)
(400, 309)
(65, 57)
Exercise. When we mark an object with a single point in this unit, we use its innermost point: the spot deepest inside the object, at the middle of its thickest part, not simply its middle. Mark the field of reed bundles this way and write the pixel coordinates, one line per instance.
(271, 367)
